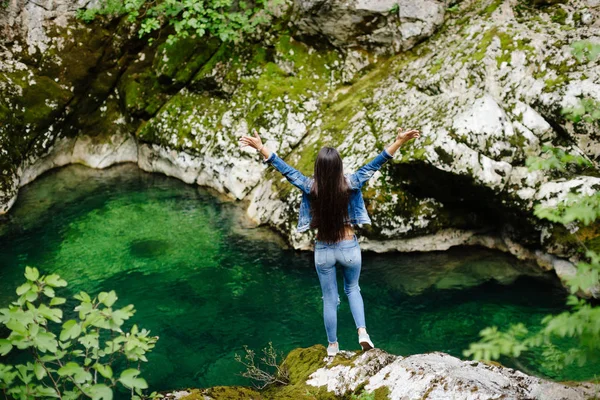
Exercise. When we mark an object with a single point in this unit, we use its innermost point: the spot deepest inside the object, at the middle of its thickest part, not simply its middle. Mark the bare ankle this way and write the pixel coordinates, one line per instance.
(362, 330)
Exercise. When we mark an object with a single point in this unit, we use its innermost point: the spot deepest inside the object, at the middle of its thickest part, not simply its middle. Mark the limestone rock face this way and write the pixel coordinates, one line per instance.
(437, 376)
(384, 26)
(30, 20)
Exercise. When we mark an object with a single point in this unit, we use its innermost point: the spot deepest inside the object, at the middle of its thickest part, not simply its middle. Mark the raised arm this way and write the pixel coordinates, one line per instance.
(294, 176)
(364, 173)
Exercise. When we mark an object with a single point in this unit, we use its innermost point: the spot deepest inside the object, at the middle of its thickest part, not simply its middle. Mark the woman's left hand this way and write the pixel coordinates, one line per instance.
(253, 141)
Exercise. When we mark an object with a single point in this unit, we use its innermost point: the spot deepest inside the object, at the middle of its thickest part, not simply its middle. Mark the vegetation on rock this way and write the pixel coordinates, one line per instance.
(270, 372)
(227, 20)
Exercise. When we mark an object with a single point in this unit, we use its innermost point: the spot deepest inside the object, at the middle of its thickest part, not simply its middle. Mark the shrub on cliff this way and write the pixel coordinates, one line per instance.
(228, 20)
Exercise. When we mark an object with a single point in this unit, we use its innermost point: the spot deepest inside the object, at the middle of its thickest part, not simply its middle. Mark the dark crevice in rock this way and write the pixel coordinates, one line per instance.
(549, 115)
(482, 207)
(38, 5)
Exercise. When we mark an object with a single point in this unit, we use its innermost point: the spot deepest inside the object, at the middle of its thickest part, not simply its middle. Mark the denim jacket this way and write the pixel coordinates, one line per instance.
(356, 206)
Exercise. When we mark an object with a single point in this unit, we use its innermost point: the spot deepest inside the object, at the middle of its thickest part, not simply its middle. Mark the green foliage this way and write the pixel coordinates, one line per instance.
(363, 396)
(495, 343)
(453, 9)
(74, 359)
(584, 50)
(574, 207)
(226, 19)
(587, 110)
(555, 159)
(582, 322)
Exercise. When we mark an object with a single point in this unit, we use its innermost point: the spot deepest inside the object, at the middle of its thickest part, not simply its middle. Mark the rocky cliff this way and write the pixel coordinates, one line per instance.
(376, 375)
(484, 81)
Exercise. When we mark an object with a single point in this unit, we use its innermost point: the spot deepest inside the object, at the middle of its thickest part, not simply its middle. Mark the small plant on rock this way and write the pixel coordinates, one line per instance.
(267, 373)
(70, 359)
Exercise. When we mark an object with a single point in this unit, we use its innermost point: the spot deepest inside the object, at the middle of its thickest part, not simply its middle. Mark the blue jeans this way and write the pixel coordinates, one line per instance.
(347, 254)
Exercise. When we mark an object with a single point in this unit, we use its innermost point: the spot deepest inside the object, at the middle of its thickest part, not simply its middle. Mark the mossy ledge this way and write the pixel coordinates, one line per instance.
(378, 375)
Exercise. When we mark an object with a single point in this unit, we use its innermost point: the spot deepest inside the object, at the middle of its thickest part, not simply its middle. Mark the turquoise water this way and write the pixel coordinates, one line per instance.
(207, 282)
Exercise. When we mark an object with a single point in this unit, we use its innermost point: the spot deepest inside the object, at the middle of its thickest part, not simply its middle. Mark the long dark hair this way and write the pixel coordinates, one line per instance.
(329, 196)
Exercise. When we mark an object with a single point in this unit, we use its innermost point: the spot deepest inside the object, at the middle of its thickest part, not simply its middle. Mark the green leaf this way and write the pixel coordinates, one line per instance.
(32, 274)
(57, 301)
(5, 347)
(71, 330)
(44, 391)
(46, 341)
(24, 288)
(83, 296)
(90, 340)
(84, 308)
(17, 326)
(129, 379)
(31, 296)
(68, 369)
(107, 298)
(39, 371)
(104, 370)
(49, 292)
(54, 280)
(119, 316)
(53, 314)
(100, 392)
(79, 374)
(34, 329)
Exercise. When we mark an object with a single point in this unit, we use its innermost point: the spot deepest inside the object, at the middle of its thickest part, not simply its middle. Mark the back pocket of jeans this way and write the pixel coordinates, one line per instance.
(352, 254)
(320, 257)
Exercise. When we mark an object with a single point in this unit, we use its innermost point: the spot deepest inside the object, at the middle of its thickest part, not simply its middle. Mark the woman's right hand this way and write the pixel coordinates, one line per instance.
(404, 136)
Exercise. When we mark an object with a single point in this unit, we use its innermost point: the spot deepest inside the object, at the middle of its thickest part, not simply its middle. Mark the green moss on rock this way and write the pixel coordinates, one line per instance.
(559, 16)
(302, 362)
(178, 62)
(224, 393)
(44, 101)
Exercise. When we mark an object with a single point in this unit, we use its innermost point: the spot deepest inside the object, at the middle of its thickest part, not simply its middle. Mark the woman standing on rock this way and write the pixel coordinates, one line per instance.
(332, 202)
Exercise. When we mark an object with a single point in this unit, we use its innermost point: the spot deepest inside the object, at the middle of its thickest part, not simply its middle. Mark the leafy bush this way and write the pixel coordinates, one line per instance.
(582, 322)
(555, 159)
(76, 362)
(225, 19)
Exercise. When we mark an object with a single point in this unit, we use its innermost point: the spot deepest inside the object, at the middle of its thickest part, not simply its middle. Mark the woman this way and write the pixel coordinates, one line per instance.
(331, 203)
